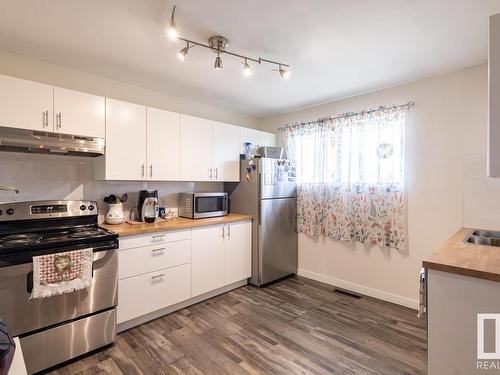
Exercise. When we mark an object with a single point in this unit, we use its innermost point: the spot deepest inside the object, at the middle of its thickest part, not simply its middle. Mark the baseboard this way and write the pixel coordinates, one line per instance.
(375, 293)
(178, 306)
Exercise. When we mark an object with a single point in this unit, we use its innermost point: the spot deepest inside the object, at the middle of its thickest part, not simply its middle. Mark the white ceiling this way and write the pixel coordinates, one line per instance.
(336, 48)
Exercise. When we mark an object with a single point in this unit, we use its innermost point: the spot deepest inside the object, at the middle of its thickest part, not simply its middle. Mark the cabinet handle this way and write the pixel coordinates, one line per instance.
(142, 171)
(45, 119)
(228, 232)
(161, 249)
(151, 170)
(216, 174)
(222, 232)
(58, 120)
(210, 173)
(158, 236)
(161, 275)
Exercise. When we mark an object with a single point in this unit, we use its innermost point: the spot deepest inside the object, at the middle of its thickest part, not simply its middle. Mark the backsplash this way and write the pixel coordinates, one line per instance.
(42, 177)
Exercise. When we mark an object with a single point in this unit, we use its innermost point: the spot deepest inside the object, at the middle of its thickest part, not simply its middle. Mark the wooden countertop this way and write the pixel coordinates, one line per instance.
(178, 223)
(456, 256)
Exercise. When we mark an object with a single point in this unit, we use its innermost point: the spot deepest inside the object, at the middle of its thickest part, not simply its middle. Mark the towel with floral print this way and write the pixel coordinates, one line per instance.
(60, 273)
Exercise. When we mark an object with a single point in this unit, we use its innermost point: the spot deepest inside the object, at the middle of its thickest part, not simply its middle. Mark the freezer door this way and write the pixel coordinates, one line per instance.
(277, 238)
(276, 178)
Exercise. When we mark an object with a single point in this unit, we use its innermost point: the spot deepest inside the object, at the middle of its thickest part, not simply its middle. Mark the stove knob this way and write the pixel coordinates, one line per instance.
(82, 207)
(9, 211)
(91, 208)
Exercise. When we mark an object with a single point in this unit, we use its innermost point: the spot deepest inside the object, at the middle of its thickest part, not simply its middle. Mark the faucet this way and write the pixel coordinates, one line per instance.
(9, 188)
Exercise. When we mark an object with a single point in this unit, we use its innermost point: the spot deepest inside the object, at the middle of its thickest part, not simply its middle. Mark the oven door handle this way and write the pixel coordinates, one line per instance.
(29, 282)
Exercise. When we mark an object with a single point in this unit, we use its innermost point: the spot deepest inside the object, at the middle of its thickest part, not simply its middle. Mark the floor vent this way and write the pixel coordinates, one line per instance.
(346, 293)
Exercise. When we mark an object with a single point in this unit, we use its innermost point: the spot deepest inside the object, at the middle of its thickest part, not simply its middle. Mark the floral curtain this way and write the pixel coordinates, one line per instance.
(350, 174)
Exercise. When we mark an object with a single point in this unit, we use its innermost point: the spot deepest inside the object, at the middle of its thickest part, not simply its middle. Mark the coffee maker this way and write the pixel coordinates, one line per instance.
(147, 205)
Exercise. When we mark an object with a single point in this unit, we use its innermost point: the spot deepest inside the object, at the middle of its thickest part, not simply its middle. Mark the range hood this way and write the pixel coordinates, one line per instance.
(20, 140)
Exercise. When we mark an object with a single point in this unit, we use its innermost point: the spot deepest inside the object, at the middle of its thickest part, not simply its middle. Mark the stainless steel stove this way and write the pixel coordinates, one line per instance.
(55, 329)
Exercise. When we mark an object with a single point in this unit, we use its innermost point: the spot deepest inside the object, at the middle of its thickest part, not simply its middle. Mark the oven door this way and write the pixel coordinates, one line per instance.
(210, 205)
(23, 315)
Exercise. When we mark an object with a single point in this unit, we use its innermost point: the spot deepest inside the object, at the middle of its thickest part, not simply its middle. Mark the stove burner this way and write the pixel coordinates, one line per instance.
(20, 239)
(86, 232)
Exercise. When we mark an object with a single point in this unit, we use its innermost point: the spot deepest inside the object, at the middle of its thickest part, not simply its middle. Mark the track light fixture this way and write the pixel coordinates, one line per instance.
(183, 53)
(284, 73)
(218, 62)
(219, 45)
(172, 27)
(247, 70)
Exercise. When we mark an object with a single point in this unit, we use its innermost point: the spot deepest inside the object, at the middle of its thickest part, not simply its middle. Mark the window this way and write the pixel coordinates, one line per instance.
(350, 173)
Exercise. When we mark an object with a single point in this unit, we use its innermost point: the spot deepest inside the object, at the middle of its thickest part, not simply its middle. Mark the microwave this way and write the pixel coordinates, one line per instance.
(202, 205)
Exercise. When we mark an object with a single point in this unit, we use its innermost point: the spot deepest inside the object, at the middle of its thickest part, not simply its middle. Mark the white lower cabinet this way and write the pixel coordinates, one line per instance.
(238, 252)
(143, 294)
(159, 270)
(208, 259)
(221, 256)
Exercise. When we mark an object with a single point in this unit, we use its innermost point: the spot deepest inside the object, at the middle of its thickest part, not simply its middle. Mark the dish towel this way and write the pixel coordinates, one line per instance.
(60, 273)
(422, 294)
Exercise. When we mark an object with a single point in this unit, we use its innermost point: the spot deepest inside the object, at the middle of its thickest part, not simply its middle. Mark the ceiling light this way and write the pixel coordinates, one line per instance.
(182, 55)
(285, 73)
(172, 28)
(247, 70)
(218, 62)
(219, 45)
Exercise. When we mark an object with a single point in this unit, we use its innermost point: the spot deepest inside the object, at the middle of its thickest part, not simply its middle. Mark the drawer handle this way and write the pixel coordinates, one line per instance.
(160, 276)
(161, 249)
(158, 236)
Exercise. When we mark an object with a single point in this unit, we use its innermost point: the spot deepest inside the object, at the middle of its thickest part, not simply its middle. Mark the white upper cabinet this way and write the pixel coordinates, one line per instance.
(78, 113)
(26, 104)
(226, 156)
(125, 157)
(248, 135)
(267, 139)
(196, 149)
(163, 145)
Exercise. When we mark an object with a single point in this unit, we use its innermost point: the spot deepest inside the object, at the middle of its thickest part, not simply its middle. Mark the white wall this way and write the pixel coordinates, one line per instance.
(446, 182)
(36, 70)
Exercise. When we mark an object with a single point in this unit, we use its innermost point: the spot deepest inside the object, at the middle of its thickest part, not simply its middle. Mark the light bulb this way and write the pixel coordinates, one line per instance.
(172, 30)
(182, 54)
(247, 69)
(218, 62)
(285, 73)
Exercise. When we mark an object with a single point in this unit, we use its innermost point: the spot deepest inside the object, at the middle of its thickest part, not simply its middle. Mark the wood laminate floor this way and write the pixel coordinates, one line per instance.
(295, 326)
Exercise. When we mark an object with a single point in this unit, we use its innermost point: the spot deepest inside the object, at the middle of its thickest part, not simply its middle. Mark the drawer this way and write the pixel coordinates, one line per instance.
(141, 260)
(143, 294)
(154, 238)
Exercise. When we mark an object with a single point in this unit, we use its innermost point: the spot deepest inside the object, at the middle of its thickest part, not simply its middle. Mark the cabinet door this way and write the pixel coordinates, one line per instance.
(226, 157)
(163, 145)
(125, 141)
(143, 294)
(207, 259)
(250, 136)
(238, 252)
(196, 149)
(267, 139)
(26, 104)
(78, 113)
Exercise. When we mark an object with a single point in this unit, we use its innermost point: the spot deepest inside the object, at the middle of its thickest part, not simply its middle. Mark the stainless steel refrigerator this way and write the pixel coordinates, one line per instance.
(267, 190)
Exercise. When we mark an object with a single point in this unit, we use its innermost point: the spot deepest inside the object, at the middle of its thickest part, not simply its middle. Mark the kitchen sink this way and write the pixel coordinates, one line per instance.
(484, 237)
